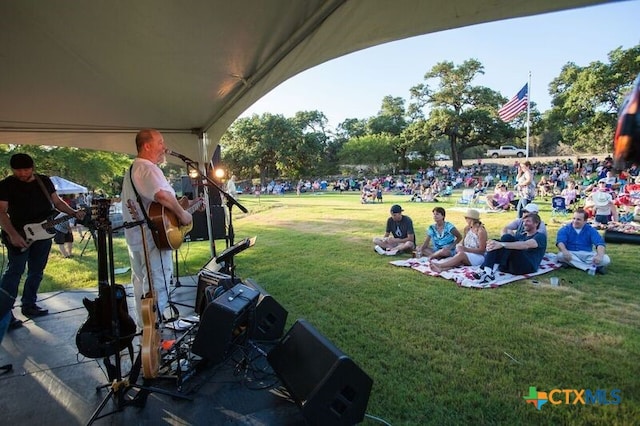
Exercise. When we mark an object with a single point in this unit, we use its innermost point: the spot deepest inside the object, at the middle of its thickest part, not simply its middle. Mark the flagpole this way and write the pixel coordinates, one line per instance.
(528, 112)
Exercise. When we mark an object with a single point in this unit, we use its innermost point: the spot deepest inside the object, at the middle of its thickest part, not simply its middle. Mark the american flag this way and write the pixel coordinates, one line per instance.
(515, 106)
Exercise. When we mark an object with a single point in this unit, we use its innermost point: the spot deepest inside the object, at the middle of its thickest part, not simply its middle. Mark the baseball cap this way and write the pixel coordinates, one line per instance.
(531, 208)
(21, 161)
(396, 208)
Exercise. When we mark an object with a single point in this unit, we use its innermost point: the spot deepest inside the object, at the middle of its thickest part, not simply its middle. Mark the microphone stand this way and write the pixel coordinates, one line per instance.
(230, 202)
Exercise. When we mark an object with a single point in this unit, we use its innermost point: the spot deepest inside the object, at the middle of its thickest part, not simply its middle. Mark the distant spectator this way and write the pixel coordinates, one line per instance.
(501, 199)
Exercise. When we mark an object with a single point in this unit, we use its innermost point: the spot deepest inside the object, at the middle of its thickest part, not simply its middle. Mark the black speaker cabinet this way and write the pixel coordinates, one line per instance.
(225, 323)
(200, 230)
(208, 279)
(218, 222)
(327, 385)
(270, 317)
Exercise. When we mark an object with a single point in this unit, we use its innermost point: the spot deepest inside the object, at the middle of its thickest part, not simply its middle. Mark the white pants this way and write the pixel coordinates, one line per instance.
(583, 259)
(161, 265)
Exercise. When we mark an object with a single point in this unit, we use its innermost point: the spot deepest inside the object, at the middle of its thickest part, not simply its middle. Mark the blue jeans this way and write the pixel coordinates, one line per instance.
(522, 202)
(35, 259)
(515, 262)
(4, 324)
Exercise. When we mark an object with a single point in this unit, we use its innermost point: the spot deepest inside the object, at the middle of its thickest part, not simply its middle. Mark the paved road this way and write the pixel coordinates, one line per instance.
(511, 160)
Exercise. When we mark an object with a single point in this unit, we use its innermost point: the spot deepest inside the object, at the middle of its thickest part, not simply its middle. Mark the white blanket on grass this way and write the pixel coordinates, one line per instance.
(463, 275)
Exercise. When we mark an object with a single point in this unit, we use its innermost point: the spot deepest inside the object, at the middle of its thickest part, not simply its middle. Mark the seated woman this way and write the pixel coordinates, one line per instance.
(545, 187)
(471, 251)
(570, 193)
(441, 238)
(501, 199)
(604, 210)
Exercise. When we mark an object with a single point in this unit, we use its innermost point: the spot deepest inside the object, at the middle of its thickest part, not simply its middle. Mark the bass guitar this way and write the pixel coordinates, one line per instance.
(97, 336)
(36, 231)
(169, 234)
(150, 333)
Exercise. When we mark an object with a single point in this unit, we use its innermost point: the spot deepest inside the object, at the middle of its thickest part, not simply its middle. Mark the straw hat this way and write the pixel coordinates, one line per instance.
(472, 214)
(600, 198)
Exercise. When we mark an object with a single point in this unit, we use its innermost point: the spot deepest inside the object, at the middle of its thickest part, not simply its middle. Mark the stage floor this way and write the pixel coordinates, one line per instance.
(52, 384)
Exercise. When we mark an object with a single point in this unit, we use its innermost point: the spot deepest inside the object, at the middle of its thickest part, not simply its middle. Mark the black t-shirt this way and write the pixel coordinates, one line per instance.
(400, 229)
(27, 201)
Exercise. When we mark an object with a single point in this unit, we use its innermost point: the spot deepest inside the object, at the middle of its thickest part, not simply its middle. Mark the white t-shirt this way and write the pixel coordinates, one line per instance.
(148, 179)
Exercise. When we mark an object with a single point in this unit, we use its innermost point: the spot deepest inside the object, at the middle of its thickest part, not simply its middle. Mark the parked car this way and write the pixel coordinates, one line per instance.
(440, 156)
(507, 151)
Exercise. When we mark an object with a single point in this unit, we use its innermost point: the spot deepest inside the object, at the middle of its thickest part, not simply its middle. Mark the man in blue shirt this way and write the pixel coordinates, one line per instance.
(576, 242)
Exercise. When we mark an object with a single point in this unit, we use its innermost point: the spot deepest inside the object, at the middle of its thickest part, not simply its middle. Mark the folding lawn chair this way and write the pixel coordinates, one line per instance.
(558, 206)
(466, 197)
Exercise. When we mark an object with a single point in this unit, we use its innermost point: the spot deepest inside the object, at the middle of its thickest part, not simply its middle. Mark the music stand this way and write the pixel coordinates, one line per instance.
(226, 256)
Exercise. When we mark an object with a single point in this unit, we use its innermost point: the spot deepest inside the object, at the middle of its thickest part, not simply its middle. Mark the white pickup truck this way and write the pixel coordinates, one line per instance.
(507, 151)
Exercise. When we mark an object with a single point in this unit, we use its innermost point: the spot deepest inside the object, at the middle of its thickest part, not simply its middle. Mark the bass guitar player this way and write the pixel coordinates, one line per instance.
(27, 199)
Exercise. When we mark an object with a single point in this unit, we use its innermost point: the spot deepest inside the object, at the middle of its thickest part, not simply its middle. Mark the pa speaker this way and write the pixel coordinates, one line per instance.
(218, 222)
(200, 230)
(225, 323)
(270, 317)
(325, 383)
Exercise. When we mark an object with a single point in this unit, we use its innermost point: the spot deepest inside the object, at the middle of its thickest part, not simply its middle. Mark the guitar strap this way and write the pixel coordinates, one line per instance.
(44, 190)
(147, 219)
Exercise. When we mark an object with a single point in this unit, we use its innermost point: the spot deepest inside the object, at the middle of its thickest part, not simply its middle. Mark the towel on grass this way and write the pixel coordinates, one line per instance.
(463, 275)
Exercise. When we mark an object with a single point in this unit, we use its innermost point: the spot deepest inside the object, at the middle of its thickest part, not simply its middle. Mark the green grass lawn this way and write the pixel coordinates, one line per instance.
(438, 354)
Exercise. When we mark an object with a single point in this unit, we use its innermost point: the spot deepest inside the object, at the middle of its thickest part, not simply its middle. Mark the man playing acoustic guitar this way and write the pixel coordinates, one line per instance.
(27, 199)
(147, 180)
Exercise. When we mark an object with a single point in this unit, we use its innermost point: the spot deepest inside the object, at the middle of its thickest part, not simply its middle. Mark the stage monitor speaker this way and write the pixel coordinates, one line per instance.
(325, 383)
(270, 317)
(225, 323)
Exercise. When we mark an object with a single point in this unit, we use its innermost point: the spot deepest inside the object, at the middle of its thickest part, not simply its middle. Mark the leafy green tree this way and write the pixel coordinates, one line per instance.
(315, 154)
(464, 114)
(97, 170)
(585, 100)
(351, 128)
(390, 119)
(373, 151)
(251, 144)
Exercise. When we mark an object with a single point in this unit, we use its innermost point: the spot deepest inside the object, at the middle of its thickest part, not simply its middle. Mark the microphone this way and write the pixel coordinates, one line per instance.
(180, 156)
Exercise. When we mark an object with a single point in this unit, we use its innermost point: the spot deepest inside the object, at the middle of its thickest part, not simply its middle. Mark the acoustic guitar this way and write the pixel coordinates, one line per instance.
(150, 333)
(169, 234)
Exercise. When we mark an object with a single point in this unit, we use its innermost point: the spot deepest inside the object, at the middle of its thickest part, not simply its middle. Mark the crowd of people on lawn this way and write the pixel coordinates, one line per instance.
(518, 251)
(602, 198)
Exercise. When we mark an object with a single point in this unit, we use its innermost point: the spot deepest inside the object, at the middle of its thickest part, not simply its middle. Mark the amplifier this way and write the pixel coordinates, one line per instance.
(208, 278)
(226, 323)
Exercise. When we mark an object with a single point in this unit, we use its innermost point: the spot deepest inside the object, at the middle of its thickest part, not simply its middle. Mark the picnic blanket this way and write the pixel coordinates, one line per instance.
(463, 275)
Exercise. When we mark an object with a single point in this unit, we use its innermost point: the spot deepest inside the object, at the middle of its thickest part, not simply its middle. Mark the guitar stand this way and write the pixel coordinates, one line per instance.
(90, 232)
(119, 386)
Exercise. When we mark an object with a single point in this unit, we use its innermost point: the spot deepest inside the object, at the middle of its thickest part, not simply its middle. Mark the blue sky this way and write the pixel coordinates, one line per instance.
(353, 86)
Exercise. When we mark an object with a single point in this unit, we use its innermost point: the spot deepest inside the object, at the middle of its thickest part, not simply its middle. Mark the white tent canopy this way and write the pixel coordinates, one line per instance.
(90, 74)
(64, 186)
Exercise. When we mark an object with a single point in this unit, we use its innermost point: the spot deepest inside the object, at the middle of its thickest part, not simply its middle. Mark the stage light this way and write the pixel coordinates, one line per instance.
(194, 173)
